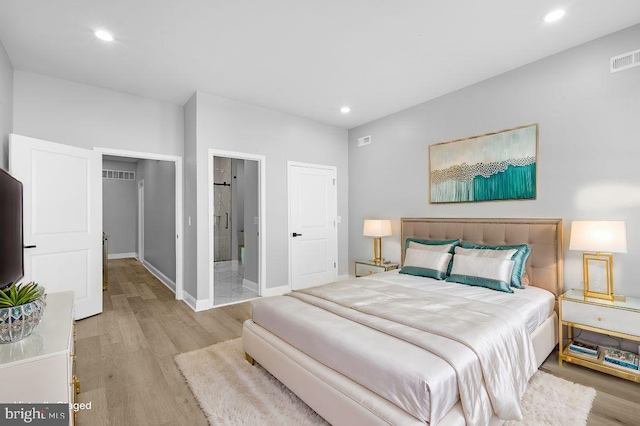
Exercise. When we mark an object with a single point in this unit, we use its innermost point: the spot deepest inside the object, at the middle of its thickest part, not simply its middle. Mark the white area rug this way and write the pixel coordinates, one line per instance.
(233, 392)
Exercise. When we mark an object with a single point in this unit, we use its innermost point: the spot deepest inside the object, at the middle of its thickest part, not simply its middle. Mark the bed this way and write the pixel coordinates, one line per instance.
(353, 368)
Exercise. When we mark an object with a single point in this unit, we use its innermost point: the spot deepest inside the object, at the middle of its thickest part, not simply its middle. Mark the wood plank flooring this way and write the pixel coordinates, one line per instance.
(125, 357)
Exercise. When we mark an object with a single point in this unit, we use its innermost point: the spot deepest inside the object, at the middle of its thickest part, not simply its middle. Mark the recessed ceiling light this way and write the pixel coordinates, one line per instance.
(345, 109)
(554, 16)
(104, 35)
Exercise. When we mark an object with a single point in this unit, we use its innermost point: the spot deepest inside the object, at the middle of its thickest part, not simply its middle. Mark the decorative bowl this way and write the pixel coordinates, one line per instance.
(18, 322)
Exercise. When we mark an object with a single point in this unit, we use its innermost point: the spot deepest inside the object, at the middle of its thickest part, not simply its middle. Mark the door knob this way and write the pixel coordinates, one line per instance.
(295, 234)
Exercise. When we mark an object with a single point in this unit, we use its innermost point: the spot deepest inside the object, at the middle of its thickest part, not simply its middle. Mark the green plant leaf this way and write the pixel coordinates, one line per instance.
(20, 294)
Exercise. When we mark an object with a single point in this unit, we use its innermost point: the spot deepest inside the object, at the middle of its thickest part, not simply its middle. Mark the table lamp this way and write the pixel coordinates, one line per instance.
(598, 240)
(377, 229)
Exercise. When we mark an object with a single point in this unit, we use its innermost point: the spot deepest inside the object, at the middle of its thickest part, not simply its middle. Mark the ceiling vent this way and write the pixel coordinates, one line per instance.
(365, 140)
(625, 61)
(118, 175)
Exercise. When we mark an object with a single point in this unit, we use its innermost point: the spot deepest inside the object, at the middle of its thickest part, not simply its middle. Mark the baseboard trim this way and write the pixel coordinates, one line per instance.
(122, 255)
(276, 291)
(160, 276)
(249, 285)
(196, 305)
(189, 300)
(344, 277)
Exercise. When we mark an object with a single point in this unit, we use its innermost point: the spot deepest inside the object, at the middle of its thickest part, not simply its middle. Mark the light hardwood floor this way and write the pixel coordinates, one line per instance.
(125, 357)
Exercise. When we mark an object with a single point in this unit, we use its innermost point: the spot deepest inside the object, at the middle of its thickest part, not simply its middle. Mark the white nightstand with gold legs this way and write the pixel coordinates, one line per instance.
(613, 318)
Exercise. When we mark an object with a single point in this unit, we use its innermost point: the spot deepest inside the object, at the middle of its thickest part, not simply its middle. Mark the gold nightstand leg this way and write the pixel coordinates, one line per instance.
(560, 342)
(250, 360)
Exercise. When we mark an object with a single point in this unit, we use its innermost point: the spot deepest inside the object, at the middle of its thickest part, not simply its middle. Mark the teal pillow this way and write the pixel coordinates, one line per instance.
(426, 264)
(519, 259)
(485, 272)
(480, 282)
(454, 243)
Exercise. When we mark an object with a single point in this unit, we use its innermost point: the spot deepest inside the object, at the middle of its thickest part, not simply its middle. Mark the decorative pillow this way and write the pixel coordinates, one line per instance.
(520, 258)
(494, 274)
(440, 248)
(525, 279)
(494, 254)
(450, 243)
(424, 263)
(453, 243)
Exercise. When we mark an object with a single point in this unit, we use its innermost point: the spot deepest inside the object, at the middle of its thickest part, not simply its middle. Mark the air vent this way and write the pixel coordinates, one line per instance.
(365, 140)
(625, 61)
(118, 175)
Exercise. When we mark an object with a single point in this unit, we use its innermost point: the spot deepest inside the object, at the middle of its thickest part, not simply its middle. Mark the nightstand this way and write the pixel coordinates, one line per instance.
(615, 318)
(368, 267)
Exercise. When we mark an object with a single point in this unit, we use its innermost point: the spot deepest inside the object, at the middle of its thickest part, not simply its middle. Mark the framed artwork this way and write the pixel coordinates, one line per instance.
(495, 166)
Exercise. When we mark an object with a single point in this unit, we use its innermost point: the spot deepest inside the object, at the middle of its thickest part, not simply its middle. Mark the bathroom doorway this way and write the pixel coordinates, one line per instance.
(236, 229)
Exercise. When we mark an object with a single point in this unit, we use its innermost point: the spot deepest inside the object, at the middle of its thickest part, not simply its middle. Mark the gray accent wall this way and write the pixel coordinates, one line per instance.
(251, 211)
(85, 116)
(588, 151)
(190, 215)
(6, 105)
(120, 209)
(236, 126)
(159, 214)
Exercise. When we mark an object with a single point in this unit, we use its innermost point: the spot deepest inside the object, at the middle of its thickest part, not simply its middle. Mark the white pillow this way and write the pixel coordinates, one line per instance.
(482, 272)
(494, 254)
(441, 248)
(425, 263)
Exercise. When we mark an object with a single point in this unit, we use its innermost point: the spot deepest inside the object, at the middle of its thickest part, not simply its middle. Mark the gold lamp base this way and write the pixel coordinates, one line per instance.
(598, 275)
(377, 250)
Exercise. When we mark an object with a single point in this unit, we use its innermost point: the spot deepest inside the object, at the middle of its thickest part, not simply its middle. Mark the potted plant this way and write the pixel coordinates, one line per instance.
(21, 309)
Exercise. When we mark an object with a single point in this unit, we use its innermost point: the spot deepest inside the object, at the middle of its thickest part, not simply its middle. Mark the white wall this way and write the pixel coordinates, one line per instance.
(120, 209)
(6, 105)
(86, 116)
(588, 150)
(235, 126)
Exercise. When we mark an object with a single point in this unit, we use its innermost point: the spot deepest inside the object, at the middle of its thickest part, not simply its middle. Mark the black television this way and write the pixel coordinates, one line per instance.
(11, 237)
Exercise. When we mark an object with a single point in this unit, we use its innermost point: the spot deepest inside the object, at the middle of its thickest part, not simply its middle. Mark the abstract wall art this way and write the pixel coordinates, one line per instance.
(495, 166)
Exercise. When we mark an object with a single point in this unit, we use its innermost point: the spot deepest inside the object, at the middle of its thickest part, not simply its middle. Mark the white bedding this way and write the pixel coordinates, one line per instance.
(422, 384)
(535, 304)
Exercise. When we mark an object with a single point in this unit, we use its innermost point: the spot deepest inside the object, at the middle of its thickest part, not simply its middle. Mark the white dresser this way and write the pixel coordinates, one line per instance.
(41, 368)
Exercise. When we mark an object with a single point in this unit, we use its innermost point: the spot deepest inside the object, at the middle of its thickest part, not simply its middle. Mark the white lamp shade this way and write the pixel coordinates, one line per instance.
(606, 236)
(376, 228)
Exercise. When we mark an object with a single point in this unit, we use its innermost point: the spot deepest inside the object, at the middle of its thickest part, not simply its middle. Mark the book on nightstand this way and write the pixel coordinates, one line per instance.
(586, 349)
(620, 359)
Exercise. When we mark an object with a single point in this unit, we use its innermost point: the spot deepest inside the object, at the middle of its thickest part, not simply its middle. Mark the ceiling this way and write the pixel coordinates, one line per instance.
(306, 58)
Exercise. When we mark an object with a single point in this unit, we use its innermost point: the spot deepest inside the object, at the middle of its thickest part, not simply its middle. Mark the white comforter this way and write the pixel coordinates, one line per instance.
(487, 345)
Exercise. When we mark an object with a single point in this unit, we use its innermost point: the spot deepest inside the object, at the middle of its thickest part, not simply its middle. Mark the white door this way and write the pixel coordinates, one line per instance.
(62, 218)
(312, 223)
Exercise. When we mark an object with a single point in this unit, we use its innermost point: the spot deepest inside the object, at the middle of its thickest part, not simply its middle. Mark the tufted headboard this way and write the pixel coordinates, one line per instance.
(544, 236)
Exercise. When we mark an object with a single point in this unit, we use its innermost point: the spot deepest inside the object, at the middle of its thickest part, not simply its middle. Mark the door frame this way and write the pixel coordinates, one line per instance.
(141, 221)
(262, 210)
(179, 197)
(289, 228)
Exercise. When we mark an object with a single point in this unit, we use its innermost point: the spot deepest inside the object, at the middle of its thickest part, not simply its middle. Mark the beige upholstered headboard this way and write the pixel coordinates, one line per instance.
(544, 236)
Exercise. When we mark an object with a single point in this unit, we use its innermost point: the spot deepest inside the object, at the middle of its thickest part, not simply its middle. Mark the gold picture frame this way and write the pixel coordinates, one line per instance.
(598, 275)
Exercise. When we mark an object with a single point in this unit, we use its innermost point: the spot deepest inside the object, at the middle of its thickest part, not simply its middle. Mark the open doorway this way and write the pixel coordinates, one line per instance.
(142, 212)
(236, 219)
